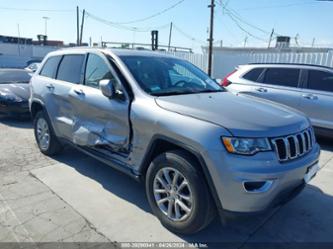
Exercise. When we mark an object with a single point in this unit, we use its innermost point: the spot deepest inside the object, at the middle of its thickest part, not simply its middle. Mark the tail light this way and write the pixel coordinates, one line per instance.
(225, 82)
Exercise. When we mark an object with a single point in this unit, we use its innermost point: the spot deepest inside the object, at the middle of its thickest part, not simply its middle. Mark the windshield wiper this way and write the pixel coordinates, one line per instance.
(211, 91)
(171, 93)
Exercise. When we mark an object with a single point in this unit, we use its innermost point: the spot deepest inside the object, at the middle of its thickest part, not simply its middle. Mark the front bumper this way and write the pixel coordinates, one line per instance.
(282, 181)
(14, 108)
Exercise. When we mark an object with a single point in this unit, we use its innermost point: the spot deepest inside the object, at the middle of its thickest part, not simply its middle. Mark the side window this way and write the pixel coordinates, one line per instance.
(70, 68)
(282, 77)
(320, 80)
(254, 74)
(96, 70)
(50, 67)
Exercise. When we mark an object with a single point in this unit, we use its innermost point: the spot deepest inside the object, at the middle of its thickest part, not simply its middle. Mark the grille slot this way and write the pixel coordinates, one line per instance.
(294, 146)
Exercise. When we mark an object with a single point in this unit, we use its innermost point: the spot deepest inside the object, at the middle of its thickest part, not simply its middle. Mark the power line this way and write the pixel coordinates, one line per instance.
(124, 27)
(153, 15)
(244, 30)
(188, 36)
(237, 16)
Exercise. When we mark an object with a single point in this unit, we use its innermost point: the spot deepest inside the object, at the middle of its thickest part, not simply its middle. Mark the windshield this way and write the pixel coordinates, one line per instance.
(14, 76)
(161, 76)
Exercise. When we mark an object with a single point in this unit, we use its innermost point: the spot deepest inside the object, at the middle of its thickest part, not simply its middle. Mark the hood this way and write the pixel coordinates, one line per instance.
(19, 90)
(243, 116)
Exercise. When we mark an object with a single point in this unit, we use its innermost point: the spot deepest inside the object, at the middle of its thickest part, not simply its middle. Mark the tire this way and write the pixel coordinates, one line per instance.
(201, 206)
(49, 146)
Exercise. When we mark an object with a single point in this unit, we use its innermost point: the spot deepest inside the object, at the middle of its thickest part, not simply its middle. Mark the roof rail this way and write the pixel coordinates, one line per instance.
(293, 64)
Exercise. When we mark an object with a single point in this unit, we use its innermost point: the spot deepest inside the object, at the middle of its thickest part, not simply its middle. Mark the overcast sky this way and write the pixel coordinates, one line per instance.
(304, 19)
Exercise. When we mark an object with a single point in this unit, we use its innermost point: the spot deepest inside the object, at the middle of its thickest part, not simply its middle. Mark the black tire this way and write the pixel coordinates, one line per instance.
(54, 146)
(203, 208)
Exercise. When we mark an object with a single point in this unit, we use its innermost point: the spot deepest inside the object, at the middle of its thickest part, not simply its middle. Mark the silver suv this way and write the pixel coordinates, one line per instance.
(161, 120)
(306, 88)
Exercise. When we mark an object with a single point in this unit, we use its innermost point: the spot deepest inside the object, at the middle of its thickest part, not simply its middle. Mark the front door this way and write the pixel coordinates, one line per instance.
(100, 122)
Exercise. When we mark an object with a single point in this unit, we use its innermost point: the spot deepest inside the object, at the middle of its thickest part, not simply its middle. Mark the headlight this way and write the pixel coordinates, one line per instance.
(246, 146)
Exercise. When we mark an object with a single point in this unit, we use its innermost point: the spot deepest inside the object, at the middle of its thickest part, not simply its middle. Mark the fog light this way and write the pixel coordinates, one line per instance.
(257, 187)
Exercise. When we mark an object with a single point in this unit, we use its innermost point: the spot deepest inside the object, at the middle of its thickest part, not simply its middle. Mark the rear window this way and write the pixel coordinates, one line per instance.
(14, 76)
(282, 77)
(254, 74)
(50, 67)
(70, 68)
(320, 80)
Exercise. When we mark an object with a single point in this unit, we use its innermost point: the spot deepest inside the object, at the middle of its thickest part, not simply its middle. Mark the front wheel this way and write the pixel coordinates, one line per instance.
(178, 194)
(46, 139)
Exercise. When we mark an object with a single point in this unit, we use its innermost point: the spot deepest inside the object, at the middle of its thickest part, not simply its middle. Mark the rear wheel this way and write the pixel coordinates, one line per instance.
(46, 140)
(178, 193)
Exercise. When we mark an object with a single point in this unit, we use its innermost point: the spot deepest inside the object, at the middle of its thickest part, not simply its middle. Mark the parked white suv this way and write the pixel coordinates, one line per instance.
(307, 88)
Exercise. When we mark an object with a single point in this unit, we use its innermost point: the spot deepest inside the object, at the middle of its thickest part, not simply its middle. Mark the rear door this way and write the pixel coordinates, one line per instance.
(280, 85)
(317, 98)
(100, 122)
(69, 74)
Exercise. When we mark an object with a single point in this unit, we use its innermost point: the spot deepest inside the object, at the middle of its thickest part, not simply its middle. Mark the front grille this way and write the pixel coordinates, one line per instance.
(294, 146)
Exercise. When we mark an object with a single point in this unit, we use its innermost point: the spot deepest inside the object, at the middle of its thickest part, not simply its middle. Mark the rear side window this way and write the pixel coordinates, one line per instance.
(50, 67)
(70, 68)
(254, 74)
(282, 77)
(320, 80)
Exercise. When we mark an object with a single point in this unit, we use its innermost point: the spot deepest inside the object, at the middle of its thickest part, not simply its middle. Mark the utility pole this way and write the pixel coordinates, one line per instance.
(313, 42)
(18, 40)
(77, 26)
(270, 38)
(82, 23)
(170, 35)
(245, 41)
(134, 36)
(211, 37)
(46, 18)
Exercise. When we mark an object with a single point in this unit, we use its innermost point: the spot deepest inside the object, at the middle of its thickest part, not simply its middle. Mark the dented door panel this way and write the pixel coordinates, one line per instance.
(99, 121)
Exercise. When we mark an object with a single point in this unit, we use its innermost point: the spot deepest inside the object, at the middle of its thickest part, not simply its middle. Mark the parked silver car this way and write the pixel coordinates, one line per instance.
(198, 148)
(306, 88)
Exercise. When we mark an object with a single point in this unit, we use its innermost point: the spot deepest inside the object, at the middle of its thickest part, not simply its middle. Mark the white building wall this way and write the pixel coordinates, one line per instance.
(15, 55)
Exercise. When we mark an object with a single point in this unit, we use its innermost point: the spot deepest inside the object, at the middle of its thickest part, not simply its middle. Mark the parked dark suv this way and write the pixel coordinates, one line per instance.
(160, 119)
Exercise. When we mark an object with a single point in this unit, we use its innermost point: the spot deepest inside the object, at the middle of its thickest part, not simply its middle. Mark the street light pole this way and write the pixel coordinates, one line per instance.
(46, 19)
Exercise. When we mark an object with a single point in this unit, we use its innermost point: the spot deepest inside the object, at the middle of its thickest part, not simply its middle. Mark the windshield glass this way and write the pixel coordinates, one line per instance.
(162, 76)
(14, 76)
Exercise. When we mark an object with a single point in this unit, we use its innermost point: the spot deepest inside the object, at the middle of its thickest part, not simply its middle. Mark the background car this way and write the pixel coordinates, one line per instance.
(307, 88)
(14, 92)
(33, 67)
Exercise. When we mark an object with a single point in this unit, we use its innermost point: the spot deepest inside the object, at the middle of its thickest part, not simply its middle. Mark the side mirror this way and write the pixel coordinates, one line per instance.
(107, 88)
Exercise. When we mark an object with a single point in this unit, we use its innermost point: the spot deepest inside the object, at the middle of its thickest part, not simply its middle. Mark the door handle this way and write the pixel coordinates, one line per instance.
(261, 89)
(79, 91)
(50, 87)
(310, 96)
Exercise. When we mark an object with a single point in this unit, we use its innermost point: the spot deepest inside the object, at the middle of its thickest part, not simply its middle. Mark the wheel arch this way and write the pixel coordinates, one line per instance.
(161, 144)
(35, 107)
